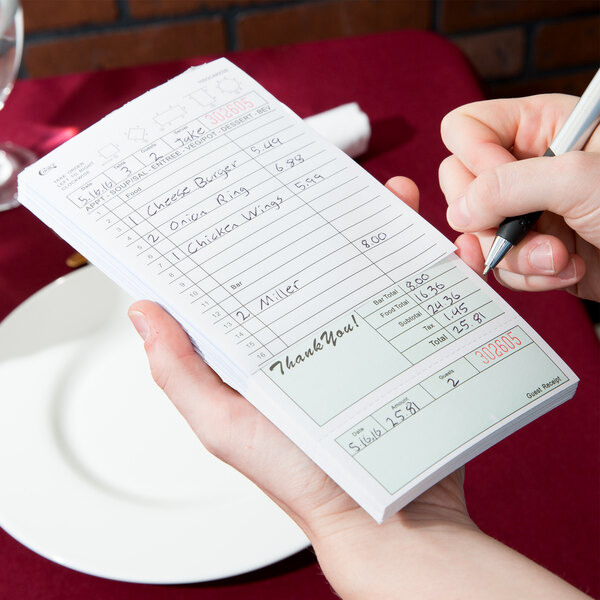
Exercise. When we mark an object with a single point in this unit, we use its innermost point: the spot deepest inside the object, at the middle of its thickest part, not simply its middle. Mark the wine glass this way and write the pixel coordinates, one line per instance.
(13, 159)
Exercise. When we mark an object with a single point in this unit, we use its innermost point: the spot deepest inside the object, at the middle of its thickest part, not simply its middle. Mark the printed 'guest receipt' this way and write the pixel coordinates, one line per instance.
(336, 310)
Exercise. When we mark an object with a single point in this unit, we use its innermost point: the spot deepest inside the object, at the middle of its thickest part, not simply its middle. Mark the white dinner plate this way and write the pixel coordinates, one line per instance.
(98, 471)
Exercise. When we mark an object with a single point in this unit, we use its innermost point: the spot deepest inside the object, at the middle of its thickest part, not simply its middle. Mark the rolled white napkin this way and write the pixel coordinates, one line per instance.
(345, 126)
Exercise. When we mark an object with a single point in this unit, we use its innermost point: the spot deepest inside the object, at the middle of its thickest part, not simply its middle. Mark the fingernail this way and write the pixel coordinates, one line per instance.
(541, 258)
(569, 272)
(458, 214)
(139, 322)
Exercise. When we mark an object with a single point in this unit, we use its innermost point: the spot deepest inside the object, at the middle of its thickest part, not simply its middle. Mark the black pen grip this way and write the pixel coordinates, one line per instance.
(514, 229)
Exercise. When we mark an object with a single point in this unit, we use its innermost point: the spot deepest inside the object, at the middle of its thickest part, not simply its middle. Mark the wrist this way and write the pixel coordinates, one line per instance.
(361, 558)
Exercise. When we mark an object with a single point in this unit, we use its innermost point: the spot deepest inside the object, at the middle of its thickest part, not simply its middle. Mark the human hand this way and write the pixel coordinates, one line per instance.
(348, 543)
(495, 171)
(428, 550)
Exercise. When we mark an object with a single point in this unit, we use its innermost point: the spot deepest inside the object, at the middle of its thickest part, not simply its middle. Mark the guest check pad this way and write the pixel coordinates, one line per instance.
(309, 287)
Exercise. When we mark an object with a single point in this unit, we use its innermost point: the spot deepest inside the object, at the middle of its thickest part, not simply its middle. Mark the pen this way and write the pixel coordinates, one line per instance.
(572, 136)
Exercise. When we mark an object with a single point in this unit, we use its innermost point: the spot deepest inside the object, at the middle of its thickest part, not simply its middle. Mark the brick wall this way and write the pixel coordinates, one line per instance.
(517, 46)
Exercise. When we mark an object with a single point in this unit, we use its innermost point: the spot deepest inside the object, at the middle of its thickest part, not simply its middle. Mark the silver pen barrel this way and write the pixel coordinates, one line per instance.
(581, 122)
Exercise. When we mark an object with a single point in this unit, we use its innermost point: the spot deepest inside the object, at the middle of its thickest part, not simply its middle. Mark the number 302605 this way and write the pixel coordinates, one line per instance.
(499, 347)
(224, 113)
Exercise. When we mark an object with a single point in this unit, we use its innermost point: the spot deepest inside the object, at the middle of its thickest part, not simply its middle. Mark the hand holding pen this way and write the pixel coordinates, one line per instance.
(498, 170)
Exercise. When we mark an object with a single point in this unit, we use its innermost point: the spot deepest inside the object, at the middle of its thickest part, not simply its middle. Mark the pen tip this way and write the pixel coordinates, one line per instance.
(486, 270)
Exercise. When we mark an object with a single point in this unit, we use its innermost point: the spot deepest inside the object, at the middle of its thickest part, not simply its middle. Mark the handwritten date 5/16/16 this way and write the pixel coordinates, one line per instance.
(93, 191)
(365, 438)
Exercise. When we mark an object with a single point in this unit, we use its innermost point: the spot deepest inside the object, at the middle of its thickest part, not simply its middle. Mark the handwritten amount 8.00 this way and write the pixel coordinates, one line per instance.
(373, 240)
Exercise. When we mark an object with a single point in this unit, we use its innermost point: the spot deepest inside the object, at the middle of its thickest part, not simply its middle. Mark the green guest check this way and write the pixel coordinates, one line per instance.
(308, 286)
(427, 371)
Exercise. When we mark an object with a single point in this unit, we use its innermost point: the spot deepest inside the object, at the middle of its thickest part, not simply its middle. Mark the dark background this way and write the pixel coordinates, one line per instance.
(518, 47)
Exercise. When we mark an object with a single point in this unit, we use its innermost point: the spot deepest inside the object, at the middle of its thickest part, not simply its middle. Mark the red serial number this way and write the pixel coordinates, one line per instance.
(229, 110)
(499, 347)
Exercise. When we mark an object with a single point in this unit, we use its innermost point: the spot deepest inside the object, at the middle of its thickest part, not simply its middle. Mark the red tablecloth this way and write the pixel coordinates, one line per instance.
(538, 491)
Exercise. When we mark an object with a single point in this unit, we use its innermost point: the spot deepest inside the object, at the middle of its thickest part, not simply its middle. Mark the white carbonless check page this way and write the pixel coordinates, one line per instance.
(228, 206)
(309, 287)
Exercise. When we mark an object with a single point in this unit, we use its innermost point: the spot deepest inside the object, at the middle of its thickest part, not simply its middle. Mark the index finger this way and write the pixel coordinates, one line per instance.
(484, 135)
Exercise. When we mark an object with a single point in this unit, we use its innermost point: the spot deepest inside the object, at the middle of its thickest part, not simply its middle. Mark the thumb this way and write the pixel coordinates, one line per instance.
(567, 185)
(193, 387)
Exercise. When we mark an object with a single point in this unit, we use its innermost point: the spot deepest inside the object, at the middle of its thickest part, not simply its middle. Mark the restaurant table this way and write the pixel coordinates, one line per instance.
(537, 491)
